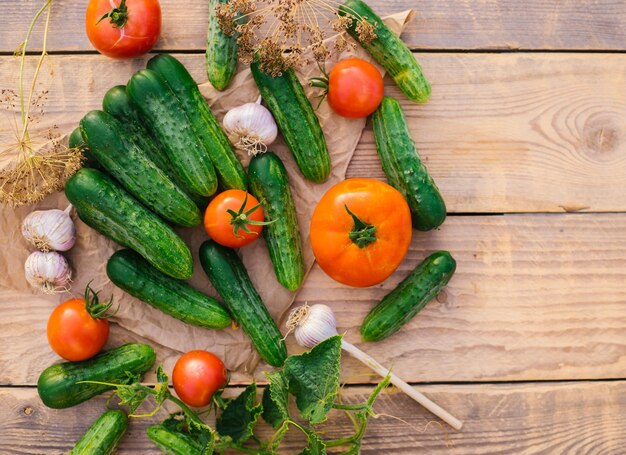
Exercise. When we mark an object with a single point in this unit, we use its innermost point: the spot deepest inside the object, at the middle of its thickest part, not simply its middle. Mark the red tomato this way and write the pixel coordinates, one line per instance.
(73, 333)
(197, 376)
(229, 230)
(360, 231)
(355, 88)
(131, 30)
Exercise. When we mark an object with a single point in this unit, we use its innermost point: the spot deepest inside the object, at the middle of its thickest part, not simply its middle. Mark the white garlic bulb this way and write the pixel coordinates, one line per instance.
(251, 127)
(312, 324)
(48, 272)
(50, 230)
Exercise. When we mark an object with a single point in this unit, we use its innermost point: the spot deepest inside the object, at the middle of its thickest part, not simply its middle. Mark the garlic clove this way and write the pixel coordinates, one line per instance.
(251, 127)
(49, 272)
(50, 230)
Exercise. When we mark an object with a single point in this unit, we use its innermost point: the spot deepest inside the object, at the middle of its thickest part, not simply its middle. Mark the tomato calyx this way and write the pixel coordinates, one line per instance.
(118, 15)
(362, 234)
(94, 307)
(322, 82)
(240, 219)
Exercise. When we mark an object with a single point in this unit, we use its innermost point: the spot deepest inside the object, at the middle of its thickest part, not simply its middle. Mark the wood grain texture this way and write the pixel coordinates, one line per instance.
(503, 132)
(533, 418)
(534, 297)
(442, 24)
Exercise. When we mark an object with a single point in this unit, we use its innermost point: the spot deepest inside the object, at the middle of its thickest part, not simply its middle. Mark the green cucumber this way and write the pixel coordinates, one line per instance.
(173, 442)
(403, 167)
(166, 119)
(409, 297)
(133, 274)
(126, 161)
(230, 171)
(58, 385)
(103, 435)
(222, 51)
(76, 141)
(294, 115)
(269, 183)
(230, 278)
(107, 208)
(388, 50)
(117, 103)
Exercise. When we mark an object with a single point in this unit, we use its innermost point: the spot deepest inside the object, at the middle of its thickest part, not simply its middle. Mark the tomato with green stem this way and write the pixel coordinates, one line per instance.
(354, 87)
(125, 30)
(361, 231)
(197, 376)
(78, 329)
(234, 218)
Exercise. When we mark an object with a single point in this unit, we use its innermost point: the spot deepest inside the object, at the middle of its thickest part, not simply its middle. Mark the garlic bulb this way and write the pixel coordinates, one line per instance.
(48, 272)
(50, 230)
(251, 127)
(312, 325)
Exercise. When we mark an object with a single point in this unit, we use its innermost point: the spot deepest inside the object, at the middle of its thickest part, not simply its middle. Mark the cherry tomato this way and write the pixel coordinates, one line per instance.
(229, 228)
(197, 376)
(355, 88)
(75, 330)
(361, 231)
(131, 29)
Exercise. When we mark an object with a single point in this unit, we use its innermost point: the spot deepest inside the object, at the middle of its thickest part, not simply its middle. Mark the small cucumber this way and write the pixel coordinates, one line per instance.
(269, 183)
(125, 160)
(221, 51)
(133, 274)
(299, 125)
(103, 435)
(76, 141)
(108, 209)
(58, 385)
(412, 294)
(230, 278)
(166, 119)
(403, 167)
(230, 171)
(173, 442)
(388, 50)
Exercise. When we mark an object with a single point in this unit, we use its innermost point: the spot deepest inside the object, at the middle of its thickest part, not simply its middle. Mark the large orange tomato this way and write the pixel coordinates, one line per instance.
(123, 29)
(361, 231)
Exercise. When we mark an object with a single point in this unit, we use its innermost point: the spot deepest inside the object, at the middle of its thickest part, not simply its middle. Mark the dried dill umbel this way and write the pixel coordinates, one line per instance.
(33, 163)
(278, 32)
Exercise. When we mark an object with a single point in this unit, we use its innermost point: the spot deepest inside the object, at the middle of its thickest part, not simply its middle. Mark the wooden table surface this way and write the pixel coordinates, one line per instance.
(526, 137)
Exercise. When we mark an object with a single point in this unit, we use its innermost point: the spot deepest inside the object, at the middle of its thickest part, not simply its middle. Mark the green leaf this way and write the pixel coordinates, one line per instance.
(276, 399)
(315, 445)
(277, 438)
(240, 416)
(161, 388)
(313, 378)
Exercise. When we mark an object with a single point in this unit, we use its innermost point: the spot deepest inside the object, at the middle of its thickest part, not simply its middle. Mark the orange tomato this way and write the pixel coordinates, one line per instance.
(355, 88)
(361, 231)
(227, 218)
(197, 376)
(131, 30)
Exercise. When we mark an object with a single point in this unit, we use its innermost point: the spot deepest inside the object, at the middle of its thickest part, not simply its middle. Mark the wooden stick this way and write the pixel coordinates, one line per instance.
(399, 383)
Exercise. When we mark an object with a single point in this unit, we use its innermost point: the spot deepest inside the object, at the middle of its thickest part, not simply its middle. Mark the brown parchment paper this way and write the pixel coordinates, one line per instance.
(89, 256)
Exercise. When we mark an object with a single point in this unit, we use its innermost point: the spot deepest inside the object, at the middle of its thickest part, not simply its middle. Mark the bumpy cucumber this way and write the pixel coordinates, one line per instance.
(110, 210)
(133, 274)
(296, 120)
(173, 442)
(165, 116)
(403, 167)
(125, 160)
(229, 170)
(221, 51)
(230, 278)
(269, 183)
(58, 385)
(103, 435)
(388, 50)
(76, 141)
(412, 294)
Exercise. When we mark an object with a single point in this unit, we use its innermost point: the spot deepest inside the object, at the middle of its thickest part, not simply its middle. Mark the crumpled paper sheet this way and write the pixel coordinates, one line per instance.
(89, 256)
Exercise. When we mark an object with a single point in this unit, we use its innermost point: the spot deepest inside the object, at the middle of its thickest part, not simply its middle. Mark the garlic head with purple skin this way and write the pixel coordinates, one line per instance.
(50, 230)
(251, 127)
(49, 272)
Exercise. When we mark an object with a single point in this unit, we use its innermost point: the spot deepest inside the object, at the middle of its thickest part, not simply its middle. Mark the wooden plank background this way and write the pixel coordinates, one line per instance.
(522, 131)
